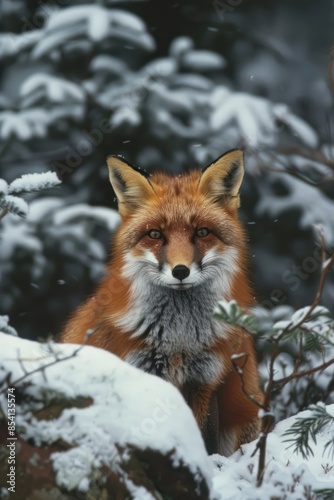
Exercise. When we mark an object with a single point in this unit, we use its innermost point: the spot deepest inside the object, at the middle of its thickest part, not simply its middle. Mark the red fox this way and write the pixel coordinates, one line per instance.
(179, 249)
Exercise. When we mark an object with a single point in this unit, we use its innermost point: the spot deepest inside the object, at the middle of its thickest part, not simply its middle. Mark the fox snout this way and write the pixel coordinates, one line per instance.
(180, 272)
(179, 276)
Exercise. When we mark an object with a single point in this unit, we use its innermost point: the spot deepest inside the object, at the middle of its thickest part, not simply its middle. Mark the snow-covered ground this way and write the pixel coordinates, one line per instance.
(130, 407)
(288, 475)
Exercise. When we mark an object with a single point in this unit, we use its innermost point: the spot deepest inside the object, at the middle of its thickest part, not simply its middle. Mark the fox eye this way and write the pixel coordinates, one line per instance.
(202, 232)
(155, 234)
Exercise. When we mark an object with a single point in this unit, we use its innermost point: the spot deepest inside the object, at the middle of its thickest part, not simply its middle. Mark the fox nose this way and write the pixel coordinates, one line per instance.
(180, 272)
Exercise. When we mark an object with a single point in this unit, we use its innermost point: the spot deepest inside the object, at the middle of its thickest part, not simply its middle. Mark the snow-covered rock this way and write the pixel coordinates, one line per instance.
(107, 415)
(88, 422)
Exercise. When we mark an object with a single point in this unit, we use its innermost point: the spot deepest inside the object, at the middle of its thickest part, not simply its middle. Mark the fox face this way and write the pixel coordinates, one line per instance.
(180, 232)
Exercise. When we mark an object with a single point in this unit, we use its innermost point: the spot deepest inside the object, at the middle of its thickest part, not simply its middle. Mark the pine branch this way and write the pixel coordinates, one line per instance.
(324, 494)
(14, 205)
(28, 183)
(306, 428)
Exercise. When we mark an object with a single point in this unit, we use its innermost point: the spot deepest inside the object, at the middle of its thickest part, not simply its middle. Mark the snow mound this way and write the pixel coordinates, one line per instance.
(129, 407)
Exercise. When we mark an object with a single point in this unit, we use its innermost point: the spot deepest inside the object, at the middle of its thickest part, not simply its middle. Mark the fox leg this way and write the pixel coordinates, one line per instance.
(238, 415)
(210, 431)
(203, 402)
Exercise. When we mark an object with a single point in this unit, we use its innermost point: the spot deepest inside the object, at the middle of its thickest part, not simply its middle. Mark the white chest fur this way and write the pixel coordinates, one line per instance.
(178, 330)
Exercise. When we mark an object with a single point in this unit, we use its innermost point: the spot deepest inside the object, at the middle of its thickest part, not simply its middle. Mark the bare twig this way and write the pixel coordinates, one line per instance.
(284, 380)
(267, 419)
(3, 213)
(47, 365)
(314, 156)
(331, 68)
(239, 371)
(326, 267)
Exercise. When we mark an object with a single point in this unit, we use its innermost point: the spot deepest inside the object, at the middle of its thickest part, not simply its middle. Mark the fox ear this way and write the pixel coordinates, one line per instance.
(221, 180)
(131, 185)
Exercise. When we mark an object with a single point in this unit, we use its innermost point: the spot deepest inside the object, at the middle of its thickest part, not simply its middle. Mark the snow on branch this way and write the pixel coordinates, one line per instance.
(34, 182)
(106, 216)
(3, 187)
(54, 89)
(92, 22)
(5, 327)
(25, 184)
(14, 205)
(257, 118)
(307, 199)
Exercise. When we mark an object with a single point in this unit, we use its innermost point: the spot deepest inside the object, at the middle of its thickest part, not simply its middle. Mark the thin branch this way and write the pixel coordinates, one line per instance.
(331, 68)
(47, 365)
(300, 176)
(3, 213)
(284, 380)
(299, 358)
(326, 267)
(267, 418)
(239, 371)
(314, 156)
(23, 368)
(40, 368)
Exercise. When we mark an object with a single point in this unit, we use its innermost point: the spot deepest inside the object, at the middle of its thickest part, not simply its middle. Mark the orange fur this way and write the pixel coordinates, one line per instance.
(177, 207)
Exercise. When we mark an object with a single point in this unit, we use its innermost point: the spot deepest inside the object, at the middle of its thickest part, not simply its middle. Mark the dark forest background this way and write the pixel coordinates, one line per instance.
(172, 86)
